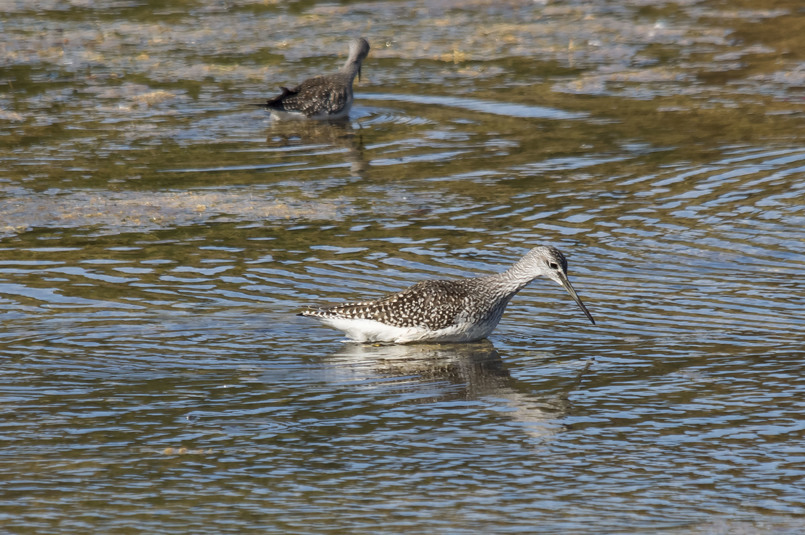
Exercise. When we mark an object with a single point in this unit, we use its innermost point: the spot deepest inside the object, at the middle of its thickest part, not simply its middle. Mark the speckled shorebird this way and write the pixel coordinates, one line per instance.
(322, 97)
(460, 310)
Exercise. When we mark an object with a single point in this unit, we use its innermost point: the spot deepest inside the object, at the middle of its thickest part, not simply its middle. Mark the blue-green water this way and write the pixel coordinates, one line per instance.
(158, 234)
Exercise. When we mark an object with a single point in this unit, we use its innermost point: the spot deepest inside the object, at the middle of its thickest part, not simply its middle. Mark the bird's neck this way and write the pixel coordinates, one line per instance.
(513, 279)
(351, 68)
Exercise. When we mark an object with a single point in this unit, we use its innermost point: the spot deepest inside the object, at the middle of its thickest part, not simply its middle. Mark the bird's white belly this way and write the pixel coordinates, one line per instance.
(280, 115)
(362, 330)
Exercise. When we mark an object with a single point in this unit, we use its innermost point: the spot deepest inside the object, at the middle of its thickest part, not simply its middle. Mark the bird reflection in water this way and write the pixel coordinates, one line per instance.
(320, 144)
(430, 373)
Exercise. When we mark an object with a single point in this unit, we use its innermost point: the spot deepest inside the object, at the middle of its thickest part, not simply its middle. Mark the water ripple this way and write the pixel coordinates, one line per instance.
(477, 105)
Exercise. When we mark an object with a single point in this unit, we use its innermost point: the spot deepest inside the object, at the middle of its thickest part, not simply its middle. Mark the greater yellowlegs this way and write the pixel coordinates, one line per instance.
(460, 310)
(322, 97)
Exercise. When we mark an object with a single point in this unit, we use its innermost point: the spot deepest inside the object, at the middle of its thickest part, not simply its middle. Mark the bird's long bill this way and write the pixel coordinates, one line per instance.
(566, 285)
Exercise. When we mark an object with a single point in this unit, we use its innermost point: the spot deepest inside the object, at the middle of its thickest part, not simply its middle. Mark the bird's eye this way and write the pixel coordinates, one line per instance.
(553, 265)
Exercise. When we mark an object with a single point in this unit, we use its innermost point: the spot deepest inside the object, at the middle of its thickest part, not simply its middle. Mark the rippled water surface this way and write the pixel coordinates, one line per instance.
(158, 234)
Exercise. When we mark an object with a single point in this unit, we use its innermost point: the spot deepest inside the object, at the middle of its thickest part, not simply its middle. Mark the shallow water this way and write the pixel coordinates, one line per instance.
(158, 235)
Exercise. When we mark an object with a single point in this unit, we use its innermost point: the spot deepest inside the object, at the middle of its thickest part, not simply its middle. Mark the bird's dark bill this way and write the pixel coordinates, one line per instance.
(567, 286)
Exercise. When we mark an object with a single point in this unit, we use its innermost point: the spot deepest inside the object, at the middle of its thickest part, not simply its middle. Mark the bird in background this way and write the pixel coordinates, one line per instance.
(459, 310)
(322, 97)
